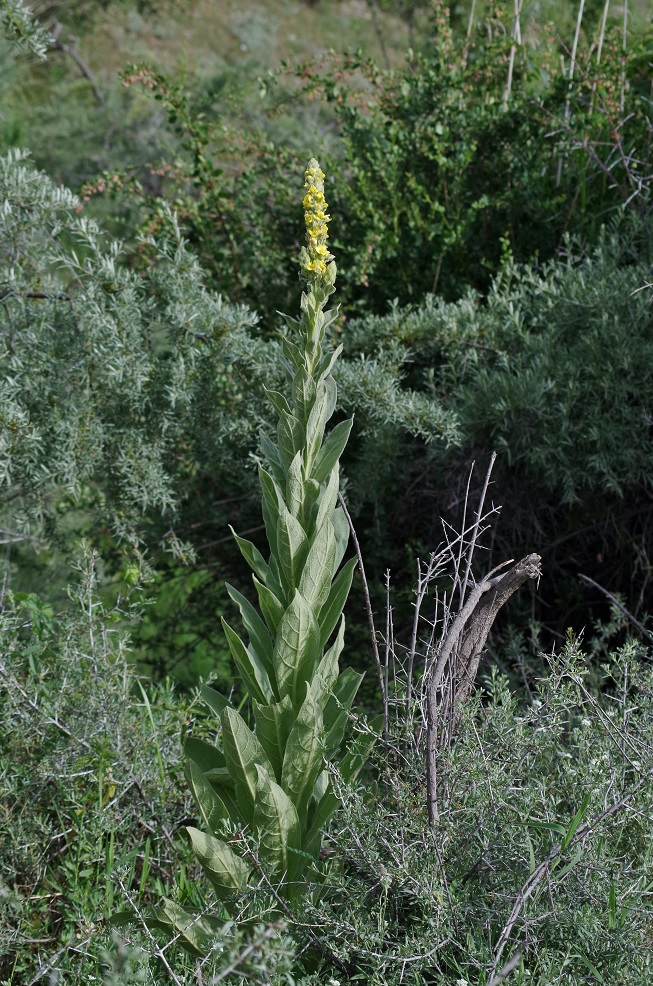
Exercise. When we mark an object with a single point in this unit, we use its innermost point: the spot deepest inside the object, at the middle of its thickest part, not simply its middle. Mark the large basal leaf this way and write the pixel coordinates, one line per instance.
(271, 606)
(292, 547)
(250, 666)
(297, 649)
(243, 753)
(304, 755)
(277, 826)
(259, 635)
(331, 451)
(335, 602)
(227, 872)
(206, 756)
(194, 931)
(212, 809)
(315, 581)
(273, 724)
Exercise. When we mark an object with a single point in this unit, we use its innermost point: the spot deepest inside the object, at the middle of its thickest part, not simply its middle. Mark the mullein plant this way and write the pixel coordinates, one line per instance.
(264, 793)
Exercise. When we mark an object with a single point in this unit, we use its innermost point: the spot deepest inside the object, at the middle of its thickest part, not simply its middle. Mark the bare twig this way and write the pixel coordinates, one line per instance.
(640, 626)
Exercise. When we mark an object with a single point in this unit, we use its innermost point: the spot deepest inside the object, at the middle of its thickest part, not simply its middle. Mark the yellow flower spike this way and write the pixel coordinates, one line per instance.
(316, 257)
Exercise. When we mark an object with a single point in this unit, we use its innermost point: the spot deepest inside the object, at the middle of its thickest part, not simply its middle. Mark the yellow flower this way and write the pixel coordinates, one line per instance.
(316, 219)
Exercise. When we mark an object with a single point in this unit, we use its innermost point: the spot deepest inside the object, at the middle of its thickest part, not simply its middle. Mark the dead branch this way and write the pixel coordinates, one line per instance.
(71, 51)
(456, 658)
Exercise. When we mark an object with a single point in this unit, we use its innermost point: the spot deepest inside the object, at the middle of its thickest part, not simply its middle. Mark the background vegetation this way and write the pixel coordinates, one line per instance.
(489, 179)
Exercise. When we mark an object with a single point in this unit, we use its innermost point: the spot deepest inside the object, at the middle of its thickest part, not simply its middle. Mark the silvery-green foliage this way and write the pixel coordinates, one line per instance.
(565, 776)
(21, 30)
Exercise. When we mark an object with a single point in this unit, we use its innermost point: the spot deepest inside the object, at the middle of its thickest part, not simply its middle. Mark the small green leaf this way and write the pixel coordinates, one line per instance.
(271, 505)
(297, 648)
(315, 426)
(227, 872)
(575, 822)
(250, 666)
(254, 559)
(273, 457)
(328, 496)
(277, 400)
(331, 451)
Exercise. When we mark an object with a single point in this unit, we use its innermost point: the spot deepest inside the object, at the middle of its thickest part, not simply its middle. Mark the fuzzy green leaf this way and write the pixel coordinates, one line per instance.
(315, 581)
(295, 487)
(303, 393)
(335, 603)
(271, 453)
(341, 528)
(331, 451)
(242, 752)
(277, 826)
(211, 807)
(328, 496)
(273, 724)
(206, 756)
(271, 505)
(297, 648)
(259, 635)
(227, 872)
(290, 436)
(254, 559)
(215, 701)
(326, 806)
(250, 666)
(304, 754)
(277, 400)
(271, 607)
(292, 546)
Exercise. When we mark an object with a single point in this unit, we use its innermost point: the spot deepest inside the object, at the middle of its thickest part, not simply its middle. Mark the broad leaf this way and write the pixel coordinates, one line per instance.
(296, 649)
(273, 724)
(331, 451)
(271, 453)
(206, 756)
(227, 872)
(317, 421)
(259, 635)
(254, 559)
(327, 670)
(194, 931)
(341, 528)
(295, 487)
(250, 666)
(277, 400)
(277, 826)
(328, 496)
(304, 754)
(315, 581)
(324, 809)
(242, 752)
(335, 713)
(335, 603)
(290, 437)
(271, 505)
(303, 392)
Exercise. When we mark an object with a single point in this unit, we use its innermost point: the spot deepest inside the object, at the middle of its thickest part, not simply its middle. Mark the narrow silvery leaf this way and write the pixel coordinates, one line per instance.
(331, 451)
(297, 648)
(277, 400)
(258, 632)
(335, 603)
(271, 606)
(328, 496)
(341, 528)
(303, 392)
(292, 546)
(211, 808)
(249, 665)
(290, 436)
(315, 581)
(273, 724)
(331, 391)
(242, 752)
(327, 670)
(304, 754)
(295, 487)
(317, 421)
(254, 559)
(271, 453)
(227, 872)
(271, 505)
(277, 826)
